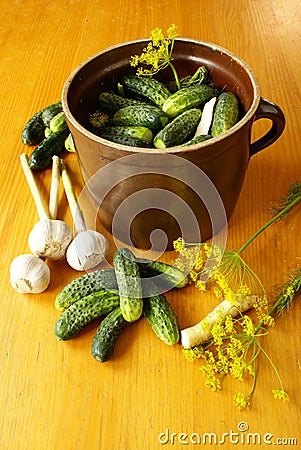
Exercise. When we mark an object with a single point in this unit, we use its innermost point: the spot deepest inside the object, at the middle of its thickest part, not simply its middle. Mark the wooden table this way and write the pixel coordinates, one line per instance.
(54, 395)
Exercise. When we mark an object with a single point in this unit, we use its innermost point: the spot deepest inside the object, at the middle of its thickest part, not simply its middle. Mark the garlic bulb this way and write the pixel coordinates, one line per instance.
(29, 274)
(87, 250)
(50, 238)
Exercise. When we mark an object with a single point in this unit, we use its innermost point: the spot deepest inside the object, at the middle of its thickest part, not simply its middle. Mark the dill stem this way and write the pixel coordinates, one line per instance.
(175, 74)
(270, 222)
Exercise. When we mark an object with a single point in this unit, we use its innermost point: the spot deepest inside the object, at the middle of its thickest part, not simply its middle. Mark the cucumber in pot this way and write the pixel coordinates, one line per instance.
(42, 155)
(178, 130)
(78, 315)
(34, 131)
(149, 116)
(102, 279)
(103, 343)
(226, 113)
(197, 140)
(50, 111)
(187, 98)
(167, 275)
(162, 318)
(58, 123)
(117, 133)
(129, 284)
(149, 88)
(113, 102)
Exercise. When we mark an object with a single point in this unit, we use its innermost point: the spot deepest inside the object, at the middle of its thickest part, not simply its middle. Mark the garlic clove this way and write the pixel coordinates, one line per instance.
(50, 238)
(29, 274)
(87, 250)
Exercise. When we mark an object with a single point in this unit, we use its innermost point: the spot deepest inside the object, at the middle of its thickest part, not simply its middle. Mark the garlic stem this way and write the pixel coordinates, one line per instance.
(41, 208)
(77, 214)
(54, 187)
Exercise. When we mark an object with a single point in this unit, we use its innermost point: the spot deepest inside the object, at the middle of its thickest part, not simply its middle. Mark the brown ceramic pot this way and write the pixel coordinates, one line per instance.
(188, 191)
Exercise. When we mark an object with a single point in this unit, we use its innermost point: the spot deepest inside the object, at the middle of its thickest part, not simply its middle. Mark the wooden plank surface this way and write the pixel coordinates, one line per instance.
(54, 395)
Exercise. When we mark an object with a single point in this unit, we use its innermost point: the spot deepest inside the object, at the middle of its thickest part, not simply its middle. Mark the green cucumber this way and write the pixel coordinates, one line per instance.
(78, 315)
(34, 129)
(52, 145)
(51, 111)
(85, 285)
(187, 98)
(147, 87)
(119, 133)
(226, 113)
(179, 129)
(111, 102)
(197, 140)
(149, 116)
(162, 318)
(103, 343)
(58, 123)
(129, 284)
(165, 274)
(69, 144)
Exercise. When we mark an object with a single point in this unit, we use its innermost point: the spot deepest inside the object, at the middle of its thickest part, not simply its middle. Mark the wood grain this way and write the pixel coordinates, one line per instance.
(53, 394)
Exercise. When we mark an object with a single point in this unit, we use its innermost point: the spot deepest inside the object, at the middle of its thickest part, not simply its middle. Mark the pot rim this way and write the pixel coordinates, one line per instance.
(191, 148)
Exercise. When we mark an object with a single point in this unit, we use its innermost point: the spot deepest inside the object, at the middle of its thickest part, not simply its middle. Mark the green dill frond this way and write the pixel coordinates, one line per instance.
(278, 205)
(286, 294)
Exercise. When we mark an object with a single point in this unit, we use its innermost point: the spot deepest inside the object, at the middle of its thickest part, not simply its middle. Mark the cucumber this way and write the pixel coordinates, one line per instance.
(85, 285)
(52, 145)
(58, 123)
(34, 130)
(178, 130)
(149, 116)
(50, 111)
(103, 343)
(166, 274)
(69, 144)
(187, 98)
(129, 284)
(149, 88)
(226, 113)
(162, 318)
(78, 315)
(121, 133)
(197, 140)
(113, 102)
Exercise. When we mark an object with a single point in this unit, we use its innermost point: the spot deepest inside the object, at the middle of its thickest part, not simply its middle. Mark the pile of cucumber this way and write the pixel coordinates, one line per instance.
(47, 129)
(143, 112)
(123, 295)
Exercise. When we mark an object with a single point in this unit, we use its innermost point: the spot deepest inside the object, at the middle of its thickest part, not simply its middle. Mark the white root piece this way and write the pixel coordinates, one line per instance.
(206, 119)
(89, 247)
(202, 331)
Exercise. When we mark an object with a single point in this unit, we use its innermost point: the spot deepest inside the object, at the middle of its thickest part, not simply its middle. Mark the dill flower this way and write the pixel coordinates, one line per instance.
(241, 401)
(157, 55)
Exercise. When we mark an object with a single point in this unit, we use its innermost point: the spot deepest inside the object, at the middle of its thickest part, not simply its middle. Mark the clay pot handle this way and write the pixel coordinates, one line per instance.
(268, 110)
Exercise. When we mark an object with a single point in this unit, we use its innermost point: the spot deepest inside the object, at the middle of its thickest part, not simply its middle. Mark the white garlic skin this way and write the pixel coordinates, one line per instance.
(29, 274)
(87, 250)
(50, 238)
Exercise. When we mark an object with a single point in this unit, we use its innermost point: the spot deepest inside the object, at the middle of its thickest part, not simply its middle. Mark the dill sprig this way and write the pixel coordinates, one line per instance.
(157, 55)
(236, 341)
